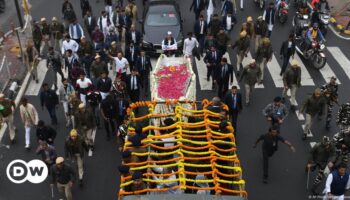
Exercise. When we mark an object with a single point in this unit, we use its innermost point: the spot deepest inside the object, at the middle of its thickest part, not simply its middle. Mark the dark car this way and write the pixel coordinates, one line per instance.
(159, 17)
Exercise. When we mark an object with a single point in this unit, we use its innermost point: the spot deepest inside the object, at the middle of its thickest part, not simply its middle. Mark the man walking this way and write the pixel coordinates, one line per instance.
(49, 98)
(30, 118)
(337, 183)
(330, 91)
(292, 81)
(264, 55)
(104, 85)
(45, 133)
(234, 102)
(260, 31)
(287, 51)
(7, 116)
(109, 112)
(242, 45)
(212, 59)
(269, 18)
(144, 67)
(75, 147)
(312, 106)
(270, 146)
(65, 91)
(31, 58)
(322, 155)
(64, 177)
(251, 75)
(200, 31)
(343, 117)
(224, 74)
(54, 60)
(275, 112)
(197, 6)
(85, 123)
(133, 84)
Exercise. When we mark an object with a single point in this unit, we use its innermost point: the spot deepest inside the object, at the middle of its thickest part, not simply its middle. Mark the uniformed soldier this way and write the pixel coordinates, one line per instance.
(330, 92)
(343, 117)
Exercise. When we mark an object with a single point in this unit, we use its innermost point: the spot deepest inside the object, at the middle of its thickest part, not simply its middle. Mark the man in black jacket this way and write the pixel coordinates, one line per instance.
(64, 176)
(104, 85)
(223, 75)
(133, 84)
(49, 98)
(212, 59)
(122, 107)
(131, 54)
(133, 36)
(234, 102)
(287, 51)
(109, 112)
(197, 6)
(90, 22)
(45, 133)
(270, 146)
(144, 66)
(200, 31)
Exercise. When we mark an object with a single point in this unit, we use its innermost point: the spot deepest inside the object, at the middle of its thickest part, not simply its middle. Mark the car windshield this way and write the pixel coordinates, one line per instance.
(162, 15)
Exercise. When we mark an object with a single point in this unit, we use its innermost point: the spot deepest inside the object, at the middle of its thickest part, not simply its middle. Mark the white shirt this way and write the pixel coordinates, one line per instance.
(228, 23)
(84, 83)
(73, 32)
(72, 45)
(120, 64)
(133, 36)
(201, 24)
(167, 46)
(328, 187)
(189, 45)
(89, 20)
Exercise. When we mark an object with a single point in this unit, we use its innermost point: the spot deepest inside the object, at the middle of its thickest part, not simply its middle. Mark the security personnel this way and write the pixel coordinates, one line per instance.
(330, 92)
(64, 177)
(343, 117)
(322, 155)
(74, 147)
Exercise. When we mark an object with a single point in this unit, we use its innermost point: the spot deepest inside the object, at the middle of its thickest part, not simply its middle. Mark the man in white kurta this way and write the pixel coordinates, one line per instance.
(337, 183)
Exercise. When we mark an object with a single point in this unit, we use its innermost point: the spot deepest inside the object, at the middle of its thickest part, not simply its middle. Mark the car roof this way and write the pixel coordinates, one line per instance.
(152, 2)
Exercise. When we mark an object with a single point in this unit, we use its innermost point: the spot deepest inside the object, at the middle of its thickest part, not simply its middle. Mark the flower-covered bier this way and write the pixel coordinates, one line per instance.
(173, 81)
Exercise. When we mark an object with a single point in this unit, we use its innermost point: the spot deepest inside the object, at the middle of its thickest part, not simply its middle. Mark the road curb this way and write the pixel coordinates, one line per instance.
(339, 27)
(19, 94)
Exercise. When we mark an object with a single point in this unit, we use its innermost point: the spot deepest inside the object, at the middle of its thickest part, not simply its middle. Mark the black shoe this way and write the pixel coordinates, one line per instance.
(108, 138)
(81, 182)
(304, 136)
(92, 148)
(265, 180)
(247, 103)
(13, 141)
(37, 81)
(237, 73)
(208, 79)
(283, 100)
(292, 108)
(328, 126)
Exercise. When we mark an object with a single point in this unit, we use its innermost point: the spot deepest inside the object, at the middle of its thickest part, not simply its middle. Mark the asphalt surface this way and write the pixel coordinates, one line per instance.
(287, 179)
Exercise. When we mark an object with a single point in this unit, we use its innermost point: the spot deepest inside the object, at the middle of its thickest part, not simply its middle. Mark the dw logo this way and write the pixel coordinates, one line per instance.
(19, 171)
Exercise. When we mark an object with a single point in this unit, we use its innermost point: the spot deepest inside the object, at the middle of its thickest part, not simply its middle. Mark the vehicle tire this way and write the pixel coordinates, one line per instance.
(318, 61)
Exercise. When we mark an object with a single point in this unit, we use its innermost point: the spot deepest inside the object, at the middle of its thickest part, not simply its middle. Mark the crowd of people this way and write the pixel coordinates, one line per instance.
(103, 68)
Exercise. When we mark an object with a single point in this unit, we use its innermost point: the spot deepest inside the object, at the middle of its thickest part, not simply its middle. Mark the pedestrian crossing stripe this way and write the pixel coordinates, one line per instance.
(33, 88)
(275, 70)
(306, 79)
(341, 59)
(327, 73)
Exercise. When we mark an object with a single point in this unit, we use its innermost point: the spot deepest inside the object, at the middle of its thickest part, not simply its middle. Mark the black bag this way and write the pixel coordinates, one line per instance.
(195, 53)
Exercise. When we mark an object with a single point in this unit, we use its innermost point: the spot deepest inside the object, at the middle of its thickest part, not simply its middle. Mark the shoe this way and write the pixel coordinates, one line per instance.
(304, 136)
(328, 126)
(37, 81)
(27, 147)
(237, 73)
(265, 180)
(81, 182)
(283, 100)
(292, 108)
(92, 148)
(247, 103)
(13, 141)
(208, 79)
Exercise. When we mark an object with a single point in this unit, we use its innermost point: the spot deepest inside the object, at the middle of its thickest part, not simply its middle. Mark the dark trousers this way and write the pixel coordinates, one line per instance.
(52, 113)
(234, 117)
(201, 41)
(197, 13)
(269, 33)
(144, 80)
(109, 123)
(222, 49)
(210, 71)
(266, 156)
(223, 87)
(96, 113)
(285, 63)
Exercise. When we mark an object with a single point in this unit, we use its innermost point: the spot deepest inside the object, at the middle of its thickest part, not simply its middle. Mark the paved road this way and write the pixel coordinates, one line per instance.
(287, 178)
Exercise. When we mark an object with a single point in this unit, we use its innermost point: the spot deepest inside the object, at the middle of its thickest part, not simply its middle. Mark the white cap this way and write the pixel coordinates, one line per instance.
(169, 32)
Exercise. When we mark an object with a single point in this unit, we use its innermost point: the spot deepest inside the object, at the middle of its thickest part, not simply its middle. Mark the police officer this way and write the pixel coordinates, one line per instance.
(322, 155)
(343, 117)
(63, 176)
(330, 92)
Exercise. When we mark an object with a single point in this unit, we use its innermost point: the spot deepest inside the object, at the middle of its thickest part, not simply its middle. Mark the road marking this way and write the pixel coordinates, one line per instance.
(306, 79)
(327, 73)
(34, 88)
(275, 69)
(341, 59)
(309, 134)
(312, 144)
(93, 141)
(246, 62)
(202, 75)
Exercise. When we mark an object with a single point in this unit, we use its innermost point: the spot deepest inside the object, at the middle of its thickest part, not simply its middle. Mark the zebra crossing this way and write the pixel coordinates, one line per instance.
(274, 68)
